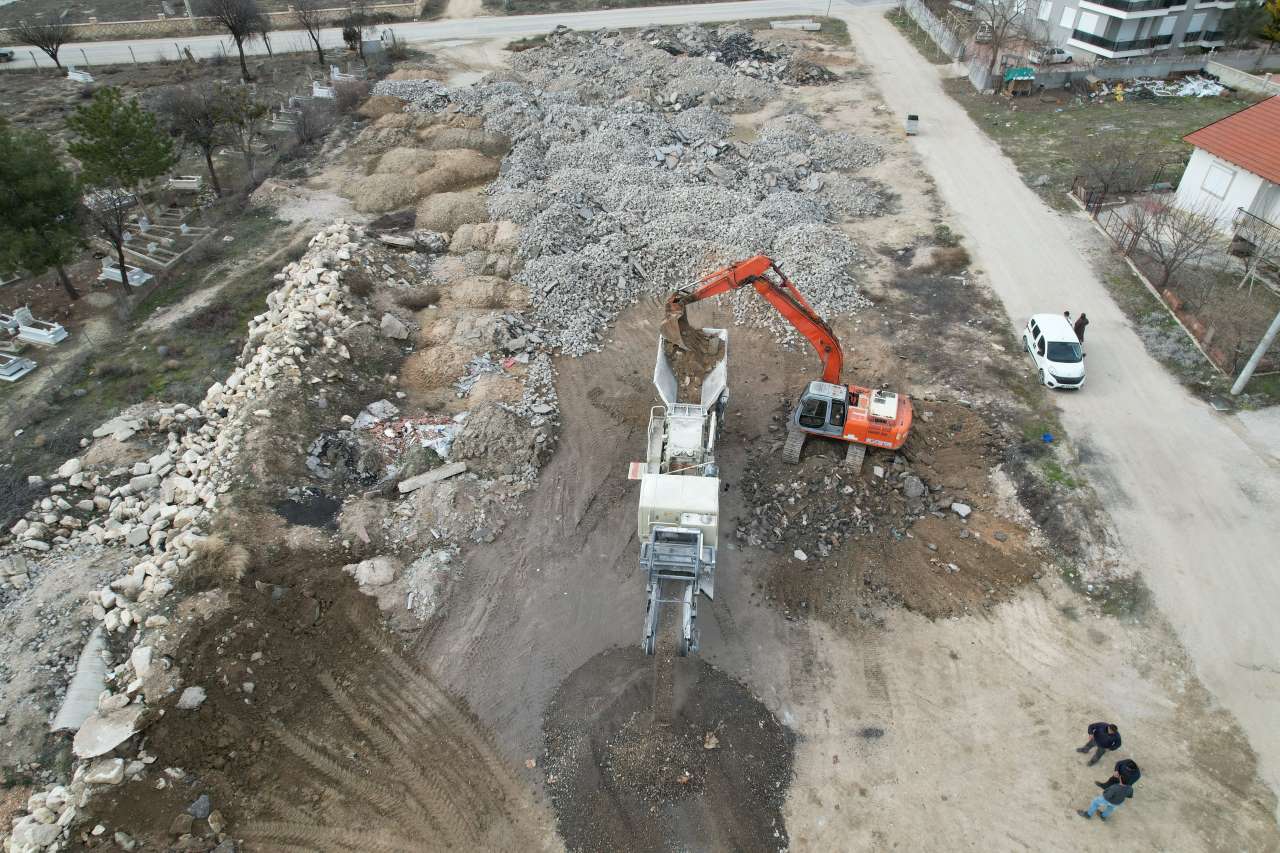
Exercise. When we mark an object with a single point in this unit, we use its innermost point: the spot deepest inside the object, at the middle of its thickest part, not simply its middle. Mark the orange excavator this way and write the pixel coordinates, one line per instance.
(862, 417)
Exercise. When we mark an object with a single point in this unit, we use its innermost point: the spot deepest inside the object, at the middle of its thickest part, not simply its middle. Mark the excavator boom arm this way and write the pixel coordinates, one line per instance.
(780, 292)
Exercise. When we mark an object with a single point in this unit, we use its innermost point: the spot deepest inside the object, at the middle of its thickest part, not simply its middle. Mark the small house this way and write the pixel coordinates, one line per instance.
(1235, 168)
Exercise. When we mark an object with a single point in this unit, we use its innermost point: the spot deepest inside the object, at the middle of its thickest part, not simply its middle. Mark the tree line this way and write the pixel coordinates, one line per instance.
(244, 20)
(48, 209)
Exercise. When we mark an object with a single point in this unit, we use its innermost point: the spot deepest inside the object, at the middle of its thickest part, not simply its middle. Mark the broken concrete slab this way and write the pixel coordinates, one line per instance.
(435, 475)
(103, 732)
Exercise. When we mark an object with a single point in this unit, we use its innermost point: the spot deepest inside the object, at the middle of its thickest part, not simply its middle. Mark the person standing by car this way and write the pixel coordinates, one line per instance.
(1080, 324)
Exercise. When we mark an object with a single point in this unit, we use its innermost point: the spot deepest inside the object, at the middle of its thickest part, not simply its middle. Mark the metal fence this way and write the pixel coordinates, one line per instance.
(947, 41)
(1095, 195)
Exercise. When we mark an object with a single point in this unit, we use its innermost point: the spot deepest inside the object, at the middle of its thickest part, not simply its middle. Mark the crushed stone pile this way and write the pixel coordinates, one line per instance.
(617, 196)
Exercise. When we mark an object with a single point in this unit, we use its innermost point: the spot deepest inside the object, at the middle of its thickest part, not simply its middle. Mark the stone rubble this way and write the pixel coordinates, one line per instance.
(620, 192)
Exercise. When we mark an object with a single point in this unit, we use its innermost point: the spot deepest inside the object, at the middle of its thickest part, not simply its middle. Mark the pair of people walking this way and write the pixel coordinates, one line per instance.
(1104, 738)
(1078, 325)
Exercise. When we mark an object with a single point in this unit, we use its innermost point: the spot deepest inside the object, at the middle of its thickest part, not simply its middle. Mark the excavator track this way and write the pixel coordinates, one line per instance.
(853, 456)
(793, 446)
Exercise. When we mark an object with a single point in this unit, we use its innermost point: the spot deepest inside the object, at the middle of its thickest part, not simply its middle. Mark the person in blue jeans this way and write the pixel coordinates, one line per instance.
(1108, 801)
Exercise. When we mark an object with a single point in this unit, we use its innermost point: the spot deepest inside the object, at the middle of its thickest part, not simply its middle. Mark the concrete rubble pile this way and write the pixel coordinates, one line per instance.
(617, 197)
(161, 507)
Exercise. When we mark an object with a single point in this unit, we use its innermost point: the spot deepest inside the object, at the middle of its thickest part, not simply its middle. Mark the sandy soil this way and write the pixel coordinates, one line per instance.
(1192, 501)
(464, 8)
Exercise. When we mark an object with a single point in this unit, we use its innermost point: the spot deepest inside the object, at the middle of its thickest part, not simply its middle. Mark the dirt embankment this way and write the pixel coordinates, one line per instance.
(316, 733)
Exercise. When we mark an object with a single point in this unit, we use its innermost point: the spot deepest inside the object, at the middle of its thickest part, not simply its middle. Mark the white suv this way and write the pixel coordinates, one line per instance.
(1055, 349)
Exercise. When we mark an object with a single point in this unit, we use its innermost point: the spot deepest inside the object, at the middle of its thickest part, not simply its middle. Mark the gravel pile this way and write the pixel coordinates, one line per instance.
(617, 196)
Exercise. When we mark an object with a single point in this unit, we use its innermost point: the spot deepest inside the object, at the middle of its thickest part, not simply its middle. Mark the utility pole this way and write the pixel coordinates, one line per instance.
(1263, 346)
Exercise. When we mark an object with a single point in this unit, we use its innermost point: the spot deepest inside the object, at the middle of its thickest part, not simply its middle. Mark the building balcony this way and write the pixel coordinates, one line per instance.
(1125, 9)
(1115, 49)
(1212, 38)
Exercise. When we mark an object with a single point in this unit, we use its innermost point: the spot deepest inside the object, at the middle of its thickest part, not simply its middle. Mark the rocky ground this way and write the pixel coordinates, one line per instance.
(377, 590)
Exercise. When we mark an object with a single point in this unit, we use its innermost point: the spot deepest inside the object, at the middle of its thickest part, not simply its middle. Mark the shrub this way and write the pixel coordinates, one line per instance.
(418, 298)
(349, 95)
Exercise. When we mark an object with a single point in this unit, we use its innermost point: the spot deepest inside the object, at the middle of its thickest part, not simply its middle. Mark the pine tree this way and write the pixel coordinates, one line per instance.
(118, 142)
(41, 217)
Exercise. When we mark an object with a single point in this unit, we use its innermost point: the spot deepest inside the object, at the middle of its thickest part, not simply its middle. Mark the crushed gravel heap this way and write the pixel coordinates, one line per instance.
(618, 196)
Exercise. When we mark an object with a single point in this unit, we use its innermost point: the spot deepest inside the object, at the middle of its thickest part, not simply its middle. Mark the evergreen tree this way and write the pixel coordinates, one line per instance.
(40, 212)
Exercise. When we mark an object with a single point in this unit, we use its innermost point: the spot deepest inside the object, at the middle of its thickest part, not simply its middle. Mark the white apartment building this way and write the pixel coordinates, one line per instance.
(1120, 28)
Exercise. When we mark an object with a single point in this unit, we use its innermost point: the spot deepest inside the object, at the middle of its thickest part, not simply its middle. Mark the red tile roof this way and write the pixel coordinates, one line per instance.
(1250, 139)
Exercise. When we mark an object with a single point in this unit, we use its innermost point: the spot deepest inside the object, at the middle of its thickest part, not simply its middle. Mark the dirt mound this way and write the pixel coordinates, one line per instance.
(455, 169)
(379, 193)
(847, 542)
(494, 442)
(435, 367)
(440, 137)
(316, 734)
(479, 291)
(405, 162)
(378, 106)
(446, 211)
(715, 779)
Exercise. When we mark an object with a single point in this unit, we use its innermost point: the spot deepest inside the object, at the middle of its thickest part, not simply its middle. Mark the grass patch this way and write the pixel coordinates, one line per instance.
(250, 230)
(919, 38)
(527, 43)
(1054, 473)
(1047, 135)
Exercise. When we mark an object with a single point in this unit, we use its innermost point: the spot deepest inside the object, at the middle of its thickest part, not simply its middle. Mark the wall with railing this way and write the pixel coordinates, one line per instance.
(947, 41)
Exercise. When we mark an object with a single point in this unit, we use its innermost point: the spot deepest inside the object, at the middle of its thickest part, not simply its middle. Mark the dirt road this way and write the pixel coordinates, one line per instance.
(1193, 502)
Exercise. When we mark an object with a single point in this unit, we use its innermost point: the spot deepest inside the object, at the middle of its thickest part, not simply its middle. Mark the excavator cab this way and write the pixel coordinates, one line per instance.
(861, 417)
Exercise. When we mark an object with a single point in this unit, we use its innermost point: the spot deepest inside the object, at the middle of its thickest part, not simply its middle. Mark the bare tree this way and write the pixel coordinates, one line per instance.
(46, 37)
(309, 15)
(246, 119)
(1112, 164)
(1000, 19)
(243, 19)
(1174, 236)
(109, 209)
(312, 122)
(199, 115)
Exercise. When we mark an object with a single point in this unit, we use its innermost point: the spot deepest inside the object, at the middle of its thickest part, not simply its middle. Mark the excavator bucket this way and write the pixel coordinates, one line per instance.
(675, 327)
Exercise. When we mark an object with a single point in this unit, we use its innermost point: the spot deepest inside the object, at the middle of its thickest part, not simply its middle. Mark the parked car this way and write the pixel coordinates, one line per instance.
(984, 35)
(1055, 349)
(6, 55)
(1050, 56)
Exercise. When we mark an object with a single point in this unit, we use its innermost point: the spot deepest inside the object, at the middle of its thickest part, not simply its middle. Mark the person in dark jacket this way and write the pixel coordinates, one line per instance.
(1127, 772)
(1081, 322)
(1103, 736)
(1108, 801)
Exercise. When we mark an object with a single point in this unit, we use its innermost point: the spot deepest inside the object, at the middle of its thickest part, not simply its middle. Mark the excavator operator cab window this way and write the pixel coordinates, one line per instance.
(837, 414)
(813, 413)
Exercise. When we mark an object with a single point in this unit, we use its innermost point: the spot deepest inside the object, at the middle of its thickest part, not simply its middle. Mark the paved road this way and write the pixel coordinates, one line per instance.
(512, 26)
(1194, 495)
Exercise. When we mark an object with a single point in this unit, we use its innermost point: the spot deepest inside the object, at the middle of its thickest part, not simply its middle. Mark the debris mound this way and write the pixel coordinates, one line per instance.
(717, 776)
(625, 180)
